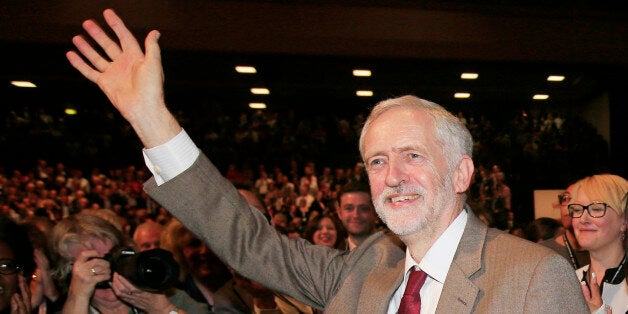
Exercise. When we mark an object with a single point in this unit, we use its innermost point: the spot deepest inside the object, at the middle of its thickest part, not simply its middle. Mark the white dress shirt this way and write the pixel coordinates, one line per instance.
(168, 160)
(436, 264)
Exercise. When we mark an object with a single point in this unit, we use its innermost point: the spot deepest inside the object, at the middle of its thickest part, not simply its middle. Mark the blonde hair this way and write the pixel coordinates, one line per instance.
(609, 188)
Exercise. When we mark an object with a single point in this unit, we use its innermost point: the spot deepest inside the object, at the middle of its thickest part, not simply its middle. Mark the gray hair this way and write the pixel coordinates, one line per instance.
(452, 134)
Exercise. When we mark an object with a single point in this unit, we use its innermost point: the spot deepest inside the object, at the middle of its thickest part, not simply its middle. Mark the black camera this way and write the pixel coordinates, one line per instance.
(153, 270)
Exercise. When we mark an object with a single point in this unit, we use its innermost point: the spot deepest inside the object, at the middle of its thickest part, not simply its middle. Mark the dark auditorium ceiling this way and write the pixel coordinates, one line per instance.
(304, 51)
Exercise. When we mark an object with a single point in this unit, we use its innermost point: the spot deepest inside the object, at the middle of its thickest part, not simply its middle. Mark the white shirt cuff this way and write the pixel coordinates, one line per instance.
(170, 159)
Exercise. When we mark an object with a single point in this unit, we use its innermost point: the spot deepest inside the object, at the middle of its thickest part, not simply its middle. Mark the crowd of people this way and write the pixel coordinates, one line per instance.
(534, 147)
(307, 243)
(332, 208)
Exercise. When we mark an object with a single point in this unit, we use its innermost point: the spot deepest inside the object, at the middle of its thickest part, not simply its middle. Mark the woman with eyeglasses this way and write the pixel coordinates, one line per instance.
(599, 219)
(16, 265)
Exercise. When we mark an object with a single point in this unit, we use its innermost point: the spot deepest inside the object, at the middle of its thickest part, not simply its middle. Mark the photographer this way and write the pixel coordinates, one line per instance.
(81, 244)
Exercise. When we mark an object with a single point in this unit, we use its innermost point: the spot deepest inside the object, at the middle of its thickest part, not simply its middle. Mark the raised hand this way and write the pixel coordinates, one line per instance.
(88, 270)
(131, 79)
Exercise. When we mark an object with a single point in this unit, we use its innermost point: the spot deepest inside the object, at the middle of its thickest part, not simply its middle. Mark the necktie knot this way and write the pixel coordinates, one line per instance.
(411, 300)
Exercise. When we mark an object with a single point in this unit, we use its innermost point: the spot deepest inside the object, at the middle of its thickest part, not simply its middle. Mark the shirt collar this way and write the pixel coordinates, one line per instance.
(439, 257)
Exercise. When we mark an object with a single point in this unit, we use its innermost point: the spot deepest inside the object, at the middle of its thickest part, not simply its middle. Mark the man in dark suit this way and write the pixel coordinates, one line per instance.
(417, 156)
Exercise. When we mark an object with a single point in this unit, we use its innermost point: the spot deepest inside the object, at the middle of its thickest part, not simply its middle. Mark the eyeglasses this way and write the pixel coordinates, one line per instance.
(564, 197)
(9, 267)
(595, 209)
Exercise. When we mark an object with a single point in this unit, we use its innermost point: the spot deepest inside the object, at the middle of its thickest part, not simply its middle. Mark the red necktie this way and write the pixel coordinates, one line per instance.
(411, 300)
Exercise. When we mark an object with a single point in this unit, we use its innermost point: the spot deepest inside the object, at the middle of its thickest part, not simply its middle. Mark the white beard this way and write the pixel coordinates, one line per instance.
(418, 218)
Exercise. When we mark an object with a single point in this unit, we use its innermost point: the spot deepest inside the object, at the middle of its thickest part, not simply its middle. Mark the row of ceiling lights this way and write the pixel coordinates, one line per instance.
(368, 93)
(357, 73)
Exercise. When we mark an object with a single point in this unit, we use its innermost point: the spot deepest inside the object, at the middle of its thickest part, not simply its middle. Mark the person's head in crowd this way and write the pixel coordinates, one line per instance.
(194, 257)
(518, 231)
(598, 209)
(16, 262)
(289, 231)
(280, 220)
(418, 159)
(325, 230)
(542, 229)
(42, 287)
(83, 232)
(147, 235)
(563, 200)
(357, 213)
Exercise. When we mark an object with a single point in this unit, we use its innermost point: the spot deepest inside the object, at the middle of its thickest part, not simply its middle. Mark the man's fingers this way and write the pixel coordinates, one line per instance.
(152, 46)
(127, 40)
(78, 63)
(90, 53)
(111, 48)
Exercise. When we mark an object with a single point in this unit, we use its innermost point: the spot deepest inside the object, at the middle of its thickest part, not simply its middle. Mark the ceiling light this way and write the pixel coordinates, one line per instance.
(364, 93)
(469, 76)
(23, 84)
(555, 78)
(260, 91)
(70, 111)
(462, 95)
(245, 69)
(361, 72)
(540, 97)
(257, 105)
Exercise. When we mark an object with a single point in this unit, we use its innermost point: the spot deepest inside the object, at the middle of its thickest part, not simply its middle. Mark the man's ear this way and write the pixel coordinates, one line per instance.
(461, 176)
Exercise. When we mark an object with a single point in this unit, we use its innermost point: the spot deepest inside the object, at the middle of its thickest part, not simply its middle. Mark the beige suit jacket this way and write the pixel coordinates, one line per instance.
(492, 272)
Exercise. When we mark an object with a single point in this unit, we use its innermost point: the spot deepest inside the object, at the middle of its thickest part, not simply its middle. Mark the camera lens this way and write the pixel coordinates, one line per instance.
(157, 269)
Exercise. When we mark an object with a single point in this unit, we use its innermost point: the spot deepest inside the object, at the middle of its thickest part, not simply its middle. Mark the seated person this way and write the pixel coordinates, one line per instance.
(44, 292)
(79, 242)
(326, 230)
(202, 274)
(147, 235)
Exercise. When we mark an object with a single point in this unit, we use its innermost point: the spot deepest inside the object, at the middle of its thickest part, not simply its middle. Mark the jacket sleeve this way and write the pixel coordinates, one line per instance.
(209, 206)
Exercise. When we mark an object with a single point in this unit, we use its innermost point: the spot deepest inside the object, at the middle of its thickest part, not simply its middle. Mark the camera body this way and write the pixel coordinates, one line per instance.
(152, 270)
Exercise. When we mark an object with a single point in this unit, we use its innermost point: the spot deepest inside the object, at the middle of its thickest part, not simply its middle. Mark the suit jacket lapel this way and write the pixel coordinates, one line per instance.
(378, 288)
(459, 292)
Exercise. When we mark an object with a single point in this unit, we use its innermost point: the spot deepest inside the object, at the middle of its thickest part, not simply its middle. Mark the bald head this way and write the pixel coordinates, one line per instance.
(147, 235)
